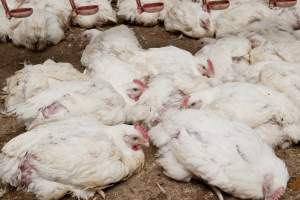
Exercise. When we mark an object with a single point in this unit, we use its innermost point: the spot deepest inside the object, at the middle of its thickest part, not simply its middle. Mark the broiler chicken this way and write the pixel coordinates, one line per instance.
(127, 84)
(225, 154)
(255, 105)
(127, 11)
(218, 58)
(5, 26)
(72, 98)
(49, 20)
(187, 17)
(119, 41)
(105, 15)
(281, 76)
(167, 59)
(45, 26)
(165, 91)
(77, 155)
(33, 79)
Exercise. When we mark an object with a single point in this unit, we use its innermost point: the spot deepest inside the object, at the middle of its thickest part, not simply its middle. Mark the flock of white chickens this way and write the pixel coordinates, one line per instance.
(216, 115)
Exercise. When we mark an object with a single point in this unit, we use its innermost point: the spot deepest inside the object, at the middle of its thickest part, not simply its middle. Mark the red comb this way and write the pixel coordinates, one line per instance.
(142, 129)
(185, 102)
(140, 83)
(210, 69)
(278, 193)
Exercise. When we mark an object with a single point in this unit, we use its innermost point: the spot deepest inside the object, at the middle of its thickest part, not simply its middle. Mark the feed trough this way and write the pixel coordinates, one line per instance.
(84, 10)
(149, 7)
(16, 13)
(215, 5)
(282, 3)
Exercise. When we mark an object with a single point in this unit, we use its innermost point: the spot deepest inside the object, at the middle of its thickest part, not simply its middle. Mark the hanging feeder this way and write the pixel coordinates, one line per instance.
(16, 13)
(215, 5)
(84, 10)
(282, 3)
(149, 7)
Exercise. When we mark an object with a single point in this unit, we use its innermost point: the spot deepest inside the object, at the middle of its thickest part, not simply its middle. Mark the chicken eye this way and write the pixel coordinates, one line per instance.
(135, 138)
(135, 89)
(193, 104)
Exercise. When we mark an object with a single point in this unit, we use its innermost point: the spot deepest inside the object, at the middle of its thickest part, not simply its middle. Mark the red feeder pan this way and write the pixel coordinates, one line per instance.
(215, 5)
(16, 13)
(149, 7)
(282, 3)
(84, 10)
(21, 12)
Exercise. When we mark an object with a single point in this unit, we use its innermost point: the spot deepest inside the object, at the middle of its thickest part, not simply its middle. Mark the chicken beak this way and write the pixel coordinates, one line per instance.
(184, 104)
(146, 144)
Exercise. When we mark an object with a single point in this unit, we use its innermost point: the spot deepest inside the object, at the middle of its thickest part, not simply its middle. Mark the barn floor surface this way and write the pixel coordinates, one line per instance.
(150, 184)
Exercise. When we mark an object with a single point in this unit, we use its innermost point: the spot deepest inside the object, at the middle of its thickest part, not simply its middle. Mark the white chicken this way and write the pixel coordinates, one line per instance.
(130, 84)
(33, 79)
(5, 26)
(276, 51)
(253, 105)
(167, 59)
(188, 17)
(77, 155)
(105, 15)
(45, 26)
(240, 15)
(198, 144)
(165, 91)
(278, 75)
(119, 41)
(72, 98)
(261, 31)
(127, 11)
(87, 36)
(218, 58)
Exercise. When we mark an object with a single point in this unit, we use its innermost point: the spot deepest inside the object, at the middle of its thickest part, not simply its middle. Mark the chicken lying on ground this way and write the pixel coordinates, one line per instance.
(44, 27)
(78, 155)
(239, 15)
(253, 105)
(128, 11)
(219, 57)
(5, 30)
(281, 76)
(130, 85)
(69, 98)
(167, 59)
(165, 91)
(33, 79)
(187, 17)
(119, 41)
(287, 51)
(228, 155)
(49, 20)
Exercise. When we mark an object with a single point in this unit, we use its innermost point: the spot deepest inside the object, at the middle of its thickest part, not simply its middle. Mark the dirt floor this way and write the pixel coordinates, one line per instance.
(150, 183)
